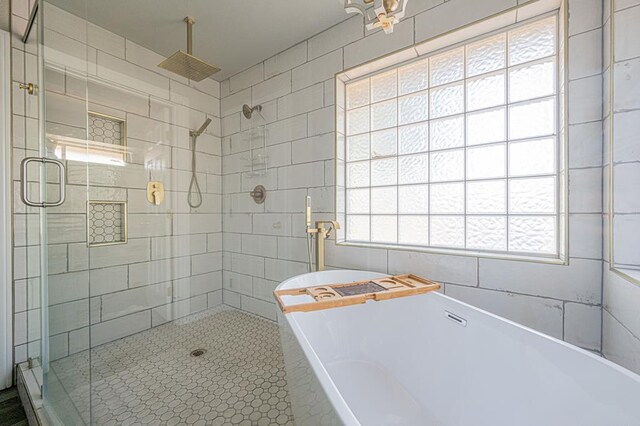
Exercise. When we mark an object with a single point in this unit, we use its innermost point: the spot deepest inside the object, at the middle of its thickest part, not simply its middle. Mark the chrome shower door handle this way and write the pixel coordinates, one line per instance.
(62, 180)
(24, 193)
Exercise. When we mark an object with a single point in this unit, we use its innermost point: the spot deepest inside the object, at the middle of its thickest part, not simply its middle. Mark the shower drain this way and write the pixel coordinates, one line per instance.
(198, 352)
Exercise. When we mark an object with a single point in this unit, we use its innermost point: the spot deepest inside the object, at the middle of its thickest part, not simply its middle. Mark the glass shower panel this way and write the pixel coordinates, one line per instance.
(129, 250)
(26, 110)
(138, 256)
(66, 289)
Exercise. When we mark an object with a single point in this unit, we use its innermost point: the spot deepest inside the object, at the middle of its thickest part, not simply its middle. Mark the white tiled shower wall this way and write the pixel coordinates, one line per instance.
(171, 265)
(264, 244)
(621, 304)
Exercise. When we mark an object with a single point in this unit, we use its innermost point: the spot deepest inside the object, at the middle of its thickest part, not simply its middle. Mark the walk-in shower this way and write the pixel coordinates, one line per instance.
(125, 277)
(194, 198)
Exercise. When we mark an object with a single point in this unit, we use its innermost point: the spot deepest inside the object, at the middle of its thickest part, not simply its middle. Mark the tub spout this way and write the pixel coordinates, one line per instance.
(333, 225)
(322, 233)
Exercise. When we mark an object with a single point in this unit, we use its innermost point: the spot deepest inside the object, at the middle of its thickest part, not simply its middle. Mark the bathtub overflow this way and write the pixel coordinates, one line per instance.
(455, 318)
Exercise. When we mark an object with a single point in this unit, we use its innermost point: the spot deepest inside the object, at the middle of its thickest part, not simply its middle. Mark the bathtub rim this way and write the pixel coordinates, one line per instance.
(331, 390)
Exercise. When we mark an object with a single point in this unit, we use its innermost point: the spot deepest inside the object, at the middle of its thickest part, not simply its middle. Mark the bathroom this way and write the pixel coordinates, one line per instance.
(175, 173)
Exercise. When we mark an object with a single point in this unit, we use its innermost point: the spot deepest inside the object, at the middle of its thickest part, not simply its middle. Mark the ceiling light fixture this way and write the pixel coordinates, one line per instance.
(383, 14)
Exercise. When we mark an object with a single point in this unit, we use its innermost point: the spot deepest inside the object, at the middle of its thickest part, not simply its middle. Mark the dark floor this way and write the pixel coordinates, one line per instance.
(11, 411)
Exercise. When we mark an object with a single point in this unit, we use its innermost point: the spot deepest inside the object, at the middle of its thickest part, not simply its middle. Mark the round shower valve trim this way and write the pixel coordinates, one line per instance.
(259, 194)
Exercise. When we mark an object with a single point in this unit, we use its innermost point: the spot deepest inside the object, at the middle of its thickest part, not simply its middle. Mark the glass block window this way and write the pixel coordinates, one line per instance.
(457, 150)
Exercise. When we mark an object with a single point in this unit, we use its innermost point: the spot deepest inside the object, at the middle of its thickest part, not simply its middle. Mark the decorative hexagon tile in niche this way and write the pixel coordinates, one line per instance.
(106, 129)
(107, 138)
(107, 222)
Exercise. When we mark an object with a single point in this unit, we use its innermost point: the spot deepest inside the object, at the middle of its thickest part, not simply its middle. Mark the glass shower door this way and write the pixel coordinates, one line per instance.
(125, 252)
(49, 221)
(65, 295)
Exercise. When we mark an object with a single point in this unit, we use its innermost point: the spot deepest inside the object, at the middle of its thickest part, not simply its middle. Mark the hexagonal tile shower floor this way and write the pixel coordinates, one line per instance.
(152, 378)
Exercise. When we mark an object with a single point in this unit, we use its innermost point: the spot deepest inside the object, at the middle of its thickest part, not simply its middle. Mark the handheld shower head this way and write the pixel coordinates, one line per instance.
(194, 198)
(201, 129)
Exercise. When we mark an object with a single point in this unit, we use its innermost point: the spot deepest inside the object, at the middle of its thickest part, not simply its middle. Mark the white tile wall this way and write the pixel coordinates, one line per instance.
(585, 51)
(120, 327)
(585, 145)
(545, 315)
(118, 304)
(585, 240)
(563, 301)
(579, 281)
(286, 60)
(619, 344)
(301, 102)
(455, 13)
(336, 37)
(316, 70)
(626, 44)
(626, 147)
(576, 315)
(379, 44)
(627, 77)
(272, 88)
(621, 298)
(585, 98)
(586, 15)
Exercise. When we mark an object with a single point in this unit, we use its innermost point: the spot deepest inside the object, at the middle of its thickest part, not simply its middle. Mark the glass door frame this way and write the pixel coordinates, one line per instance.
(6, 206)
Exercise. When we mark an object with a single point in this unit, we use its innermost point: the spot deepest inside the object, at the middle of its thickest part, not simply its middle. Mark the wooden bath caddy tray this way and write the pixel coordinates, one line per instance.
(336, 295)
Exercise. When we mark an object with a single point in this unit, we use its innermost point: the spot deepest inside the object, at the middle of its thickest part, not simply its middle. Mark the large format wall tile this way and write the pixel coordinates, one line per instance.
(562, 300)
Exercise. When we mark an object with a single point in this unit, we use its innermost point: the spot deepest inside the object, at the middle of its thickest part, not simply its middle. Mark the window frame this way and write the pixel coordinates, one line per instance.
(416, 53)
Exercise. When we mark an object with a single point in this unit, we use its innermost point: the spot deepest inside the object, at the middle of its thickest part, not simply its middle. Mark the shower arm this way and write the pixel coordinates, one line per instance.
(190, 23)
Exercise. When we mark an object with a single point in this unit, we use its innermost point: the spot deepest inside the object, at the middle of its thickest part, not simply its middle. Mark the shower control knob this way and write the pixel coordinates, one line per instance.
(155, 193)
(259, 194)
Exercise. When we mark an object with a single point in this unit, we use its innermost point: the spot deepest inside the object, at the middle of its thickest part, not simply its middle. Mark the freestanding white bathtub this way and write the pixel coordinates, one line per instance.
(431, 360)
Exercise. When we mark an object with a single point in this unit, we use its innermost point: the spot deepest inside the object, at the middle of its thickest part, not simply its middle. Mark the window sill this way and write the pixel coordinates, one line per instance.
(549, 259)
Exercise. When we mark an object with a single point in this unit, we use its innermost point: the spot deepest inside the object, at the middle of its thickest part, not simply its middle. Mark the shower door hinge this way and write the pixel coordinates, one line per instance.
(31, 88)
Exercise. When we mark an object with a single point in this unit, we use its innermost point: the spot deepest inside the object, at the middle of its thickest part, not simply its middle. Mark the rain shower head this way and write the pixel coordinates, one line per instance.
(202, 128)
(187, 65)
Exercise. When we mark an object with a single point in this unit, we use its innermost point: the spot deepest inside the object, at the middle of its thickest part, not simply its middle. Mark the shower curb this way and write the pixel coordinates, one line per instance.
(31, 396)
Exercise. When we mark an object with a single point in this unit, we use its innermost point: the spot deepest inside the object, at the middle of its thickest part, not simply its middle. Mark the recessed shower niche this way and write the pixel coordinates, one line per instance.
(106, 129)
(106, 223)
(108, 137)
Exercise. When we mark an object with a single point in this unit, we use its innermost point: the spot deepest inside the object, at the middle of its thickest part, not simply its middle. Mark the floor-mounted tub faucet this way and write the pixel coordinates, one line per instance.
(320, 232)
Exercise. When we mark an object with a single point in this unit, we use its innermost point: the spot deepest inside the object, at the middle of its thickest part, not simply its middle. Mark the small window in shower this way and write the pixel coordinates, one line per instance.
(107, 223)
